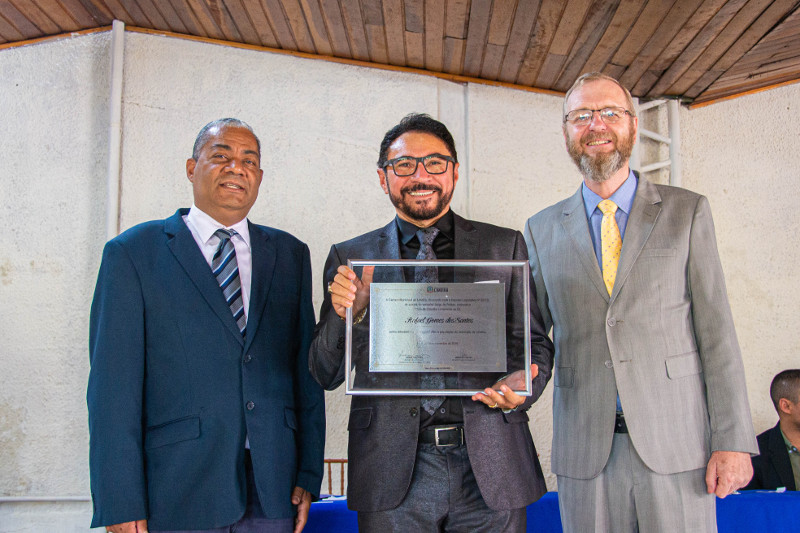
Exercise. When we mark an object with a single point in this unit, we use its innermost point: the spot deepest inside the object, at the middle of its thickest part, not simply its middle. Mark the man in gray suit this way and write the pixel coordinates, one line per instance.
(419, 464)
(651, 417)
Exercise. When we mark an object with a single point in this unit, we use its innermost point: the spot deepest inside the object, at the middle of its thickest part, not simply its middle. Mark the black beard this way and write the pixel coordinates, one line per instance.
(602, 166)
(416, 212)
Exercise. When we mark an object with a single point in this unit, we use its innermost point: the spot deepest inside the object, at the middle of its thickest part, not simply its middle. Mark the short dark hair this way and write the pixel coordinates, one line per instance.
(206, 133)
(417, 122)
(785, 385)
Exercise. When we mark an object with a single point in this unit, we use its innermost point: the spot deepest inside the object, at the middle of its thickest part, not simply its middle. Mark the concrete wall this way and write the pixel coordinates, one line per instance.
(320, 124)
(53, 100)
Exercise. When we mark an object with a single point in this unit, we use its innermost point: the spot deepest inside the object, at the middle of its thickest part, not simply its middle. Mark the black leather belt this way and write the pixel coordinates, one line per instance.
(619, 424)
(442, 435)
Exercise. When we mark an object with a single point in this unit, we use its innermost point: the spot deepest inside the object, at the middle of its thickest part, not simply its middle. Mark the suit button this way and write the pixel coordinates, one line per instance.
(413, 411)
(250, 406)
(611, 322)
(248, 358)
(609, 363)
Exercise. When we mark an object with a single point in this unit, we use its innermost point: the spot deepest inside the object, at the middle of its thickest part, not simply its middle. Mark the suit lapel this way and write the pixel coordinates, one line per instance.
(574, 222)
(388, 247)
(263, 256)
(467, 246)
(183, 246)
(642, 219)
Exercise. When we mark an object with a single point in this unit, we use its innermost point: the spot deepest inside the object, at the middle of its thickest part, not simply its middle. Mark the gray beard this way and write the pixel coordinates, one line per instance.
(600, 168)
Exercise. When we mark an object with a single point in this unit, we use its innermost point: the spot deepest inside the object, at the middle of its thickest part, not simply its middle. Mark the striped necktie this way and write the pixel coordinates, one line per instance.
(610, 243)
(226, 270)
(429, 274)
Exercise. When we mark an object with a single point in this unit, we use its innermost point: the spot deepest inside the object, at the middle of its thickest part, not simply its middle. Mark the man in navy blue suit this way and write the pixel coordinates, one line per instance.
(202, 411)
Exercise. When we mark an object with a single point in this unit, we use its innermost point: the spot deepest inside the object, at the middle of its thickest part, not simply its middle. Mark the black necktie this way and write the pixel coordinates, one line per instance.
(429, 274)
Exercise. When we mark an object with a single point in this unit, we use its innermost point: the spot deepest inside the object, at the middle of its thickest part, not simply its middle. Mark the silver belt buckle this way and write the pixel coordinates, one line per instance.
(436, 436)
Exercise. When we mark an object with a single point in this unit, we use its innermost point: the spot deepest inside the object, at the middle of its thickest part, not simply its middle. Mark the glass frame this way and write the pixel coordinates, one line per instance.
(600, 112)
(350, 387)
(390, 163)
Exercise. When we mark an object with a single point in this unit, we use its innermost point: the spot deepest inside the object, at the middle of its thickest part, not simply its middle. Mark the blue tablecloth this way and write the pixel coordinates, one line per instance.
(748, 512)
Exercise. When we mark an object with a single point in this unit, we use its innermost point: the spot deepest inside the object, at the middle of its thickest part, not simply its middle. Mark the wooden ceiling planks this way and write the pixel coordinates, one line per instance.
(78, 12)
(295, 18)
(675, 19)
(696, 47)
(621, 24)
(115, 9)
(17, 24)
(316, 27)
(696, 50)
(598, 19)
(188, 18)
(332, 17)
(521, 29)
(744, 41)
(434, 36)
(35, 16)
(154, 16)
(455, 35)
(394, 31)
(774, 60)
(171, 18)
(717, 47)
(546, 23)
(477, 30)
(60, 16)
(354, 24)
(415, 33)
(280, 26)
(241, 19)
(372, 12)
(565, 35)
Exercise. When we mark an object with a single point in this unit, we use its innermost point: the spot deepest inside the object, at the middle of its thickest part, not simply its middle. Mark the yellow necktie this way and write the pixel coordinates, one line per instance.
(610, 243)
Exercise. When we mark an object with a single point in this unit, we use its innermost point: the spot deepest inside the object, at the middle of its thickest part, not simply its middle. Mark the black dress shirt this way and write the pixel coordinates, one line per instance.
(444, 246)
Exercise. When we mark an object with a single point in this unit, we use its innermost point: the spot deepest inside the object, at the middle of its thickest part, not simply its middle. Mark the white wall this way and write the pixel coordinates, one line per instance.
(53, 100)
(743, 154)
(320, 125)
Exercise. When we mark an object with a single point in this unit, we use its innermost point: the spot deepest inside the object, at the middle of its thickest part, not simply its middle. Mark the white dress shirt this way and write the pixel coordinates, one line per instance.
(203, 227)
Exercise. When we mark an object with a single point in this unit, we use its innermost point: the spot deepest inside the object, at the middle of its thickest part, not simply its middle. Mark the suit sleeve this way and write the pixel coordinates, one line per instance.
(538, 280)
(541, 346)
(726, 390)
(326, 358)
(115, 391)
(311, 398)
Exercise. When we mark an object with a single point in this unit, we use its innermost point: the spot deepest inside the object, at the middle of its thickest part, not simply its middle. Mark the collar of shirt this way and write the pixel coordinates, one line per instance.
(789, 446)
(623, 196)
(205, 226)
(408, 231)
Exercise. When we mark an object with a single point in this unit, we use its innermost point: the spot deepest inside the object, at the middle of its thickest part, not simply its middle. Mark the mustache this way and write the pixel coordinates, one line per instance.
(422, 187)
(597, 136)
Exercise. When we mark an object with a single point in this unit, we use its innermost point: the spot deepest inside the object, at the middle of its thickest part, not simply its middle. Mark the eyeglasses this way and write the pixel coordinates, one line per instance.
(407, 165)
(609, 115)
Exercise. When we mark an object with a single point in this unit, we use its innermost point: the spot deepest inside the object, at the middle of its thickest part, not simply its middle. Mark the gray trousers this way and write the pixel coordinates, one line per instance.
(443, 497)
(628, 497)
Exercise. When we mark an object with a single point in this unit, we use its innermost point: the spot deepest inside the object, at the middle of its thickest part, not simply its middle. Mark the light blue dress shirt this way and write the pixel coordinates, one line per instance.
(623, 197)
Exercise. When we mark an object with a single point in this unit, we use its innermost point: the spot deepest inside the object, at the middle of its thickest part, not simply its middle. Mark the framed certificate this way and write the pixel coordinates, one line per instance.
(452, 337)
